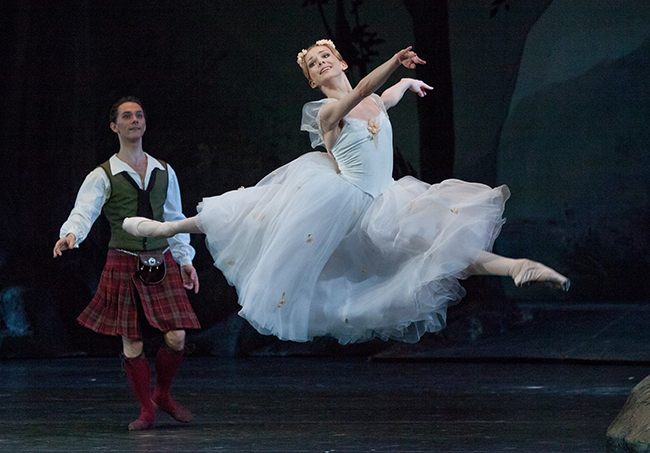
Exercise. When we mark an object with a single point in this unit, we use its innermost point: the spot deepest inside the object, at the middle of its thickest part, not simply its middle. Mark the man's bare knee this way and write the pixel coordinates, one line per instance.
(131, 348)
(175, 339)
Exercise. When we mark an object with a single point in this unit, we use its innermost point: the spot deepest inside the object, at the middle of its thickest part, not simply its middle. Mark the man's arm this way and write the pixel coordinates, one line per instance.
(92, 196)
(179, 244)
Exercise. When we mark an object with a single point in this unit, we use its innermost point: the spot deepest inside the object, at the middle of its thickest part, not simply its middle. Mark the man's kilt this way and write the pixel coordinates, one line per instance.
(114, 309)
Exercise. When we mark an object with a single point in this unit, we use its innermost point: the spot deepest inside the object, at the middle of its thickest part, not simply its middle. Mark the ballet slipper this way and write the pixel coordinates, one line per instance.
(531, 273)
(143, 227)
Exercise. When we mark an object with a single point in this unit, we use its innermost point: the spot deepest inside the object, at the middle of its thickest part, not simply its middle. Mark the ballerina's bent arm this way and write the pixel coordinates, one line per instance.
(326, 72)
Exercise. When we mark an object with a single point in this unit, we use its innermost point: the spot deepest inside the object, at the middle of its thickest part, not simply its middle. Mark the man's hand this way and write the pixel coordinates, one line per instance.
(64, 243)
(190, 278)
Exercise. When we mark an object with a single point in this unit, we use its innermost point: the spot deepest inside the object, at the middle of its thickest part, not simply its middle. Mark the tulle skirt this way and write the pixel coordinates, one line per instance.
(310, 254)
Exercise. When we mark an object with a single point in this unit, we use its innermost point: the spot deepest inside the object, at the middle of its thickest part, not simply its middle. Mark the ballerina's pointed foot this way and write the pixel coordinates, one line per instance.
(532, 273)
(143, 227)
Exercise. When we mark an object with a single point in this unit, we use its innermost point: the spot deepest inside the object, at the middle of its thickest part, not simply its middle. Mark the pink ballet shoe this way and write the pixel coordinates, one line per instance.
(532, 273)
(143, 227)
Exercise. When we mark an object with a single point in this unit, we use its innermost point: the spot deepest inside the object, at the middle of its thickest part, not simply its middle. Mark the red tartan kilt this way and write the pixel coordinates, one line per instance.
(113, 310)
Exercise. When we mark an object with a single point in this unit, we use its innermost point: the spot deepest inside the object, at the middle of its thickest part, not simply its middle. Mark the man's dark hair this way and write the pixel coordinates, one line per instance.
(124, 100)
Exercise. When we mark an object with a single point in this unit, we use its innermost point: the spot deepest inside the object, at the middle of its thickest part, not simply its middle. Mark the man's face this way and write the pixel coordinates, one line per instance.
(130, 123)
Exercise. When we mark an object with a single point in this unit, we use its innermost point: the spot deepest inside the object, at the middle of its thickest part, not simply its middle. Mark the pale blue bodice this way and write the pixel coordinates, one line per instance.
(364, 159)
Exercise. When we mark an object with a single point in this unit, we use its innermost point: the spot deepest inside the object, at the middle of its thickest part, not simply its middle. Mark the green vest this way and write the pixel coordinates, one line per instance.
(123, 202)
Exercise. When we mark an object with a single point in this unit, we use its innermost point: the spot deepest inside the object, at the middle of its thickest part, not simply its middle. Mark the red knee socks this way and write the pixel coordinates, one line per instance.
(167, 363)
(139, 375)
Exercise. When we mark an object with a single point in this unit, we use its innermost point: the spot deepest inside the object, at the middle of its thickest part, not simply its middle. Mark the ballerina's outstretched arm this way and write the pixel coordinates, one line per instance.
(333, 112)
(391, 96)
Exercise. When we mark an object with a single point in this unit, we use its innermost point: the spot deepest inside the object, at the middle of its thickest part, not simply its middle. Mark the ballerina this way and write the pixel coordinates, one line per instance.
(330, 244)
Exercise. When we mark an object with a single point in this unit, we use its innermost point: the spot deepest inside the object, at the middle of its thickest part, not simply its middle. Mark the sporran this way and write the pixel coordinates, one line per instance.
(151, 267)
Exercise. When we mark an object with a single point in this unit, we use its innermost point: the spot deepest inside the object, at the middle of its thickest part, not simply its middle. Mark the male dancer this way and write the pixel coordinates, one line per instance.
(131, 182)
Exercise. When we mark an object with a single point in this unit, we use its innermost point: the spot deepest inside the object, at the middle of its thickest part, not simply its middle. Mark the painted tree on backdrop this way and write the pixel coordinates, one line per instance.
(436, 113)
(431, 29)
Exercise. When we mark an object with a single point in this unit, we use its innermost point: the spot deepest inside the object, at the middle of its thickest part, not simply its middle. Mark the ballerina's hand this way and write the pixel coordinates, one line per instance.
(419, 87)
(409, 58)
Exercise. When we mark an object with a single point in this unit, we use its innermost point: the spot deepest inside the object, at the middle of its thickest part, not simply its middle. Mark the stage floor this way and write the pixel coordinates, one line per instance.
(318, 405)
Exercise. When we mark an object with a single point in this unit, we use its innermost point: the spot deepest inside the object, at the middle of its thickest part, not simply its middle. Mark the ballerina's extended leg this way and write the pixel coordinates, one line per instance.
(524, 272)
(143, 227)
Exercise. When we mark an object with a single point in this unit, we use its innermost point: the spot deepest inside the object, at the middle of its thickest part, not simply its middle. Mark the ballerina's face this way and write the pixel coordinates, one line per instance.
(323, 65)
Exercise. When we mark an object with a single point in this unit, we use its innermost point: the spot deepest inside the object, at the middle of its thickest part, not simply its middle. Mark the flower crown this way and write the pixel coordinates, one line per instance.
(320, 42)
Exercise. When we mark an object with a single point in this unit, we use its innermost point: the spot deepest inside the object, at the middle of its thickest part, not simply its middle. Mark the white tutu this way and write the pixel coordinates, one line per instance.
(311, 254)
(325, 247)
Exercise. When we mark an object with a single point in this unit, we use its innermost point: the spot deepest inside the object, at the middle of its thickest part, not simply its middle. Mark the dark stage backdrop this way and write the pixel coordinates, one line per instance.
(549, 96)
